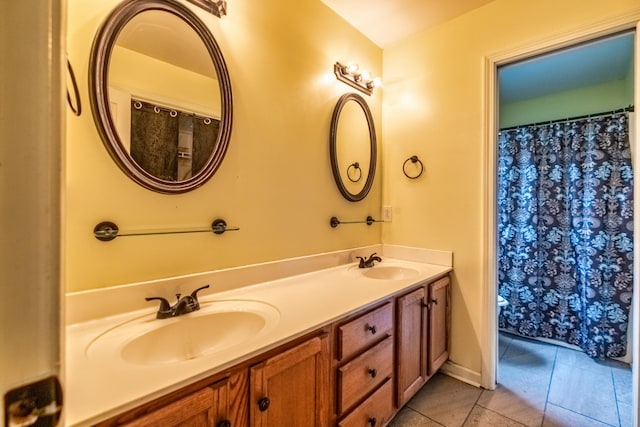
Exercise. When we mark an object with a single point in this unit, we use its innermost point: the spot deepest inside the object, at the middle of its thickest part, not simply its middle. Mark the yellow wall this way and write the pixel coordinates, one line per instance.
(433, 107)
(275, 182)
(150, 79)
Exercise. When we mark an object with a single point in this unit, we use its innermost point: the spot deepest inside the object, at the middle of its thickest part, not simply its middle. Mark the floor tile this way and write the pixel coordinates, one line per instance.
(560, 387)
(445, 400)
(529, 354)
(527, 345)
(625, 411)
(622, 381)
(556, 416)
(482, 417)
(407, 417)
(567, 357)
(586, 392)
(504, 340)
(522, 401)
(537, 363)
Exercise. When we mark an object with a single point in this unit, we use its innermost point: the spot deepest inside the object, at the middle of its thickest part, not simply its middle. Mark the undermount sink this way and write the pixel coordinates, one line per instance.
(390, 272)
(217, 326)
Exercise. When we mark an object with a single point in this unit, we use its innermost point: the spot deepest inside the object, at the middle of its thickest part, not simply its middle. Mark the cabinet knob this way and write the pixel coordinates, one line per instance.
(372, 329)
(435, 301)
(224, 423)
(263, 404)
(372, 372)
(372, 421)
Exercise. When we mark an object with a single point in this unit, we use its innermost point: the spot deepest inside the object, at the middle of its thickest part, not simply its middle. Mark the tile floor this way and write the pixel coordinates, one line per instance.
(538, 385)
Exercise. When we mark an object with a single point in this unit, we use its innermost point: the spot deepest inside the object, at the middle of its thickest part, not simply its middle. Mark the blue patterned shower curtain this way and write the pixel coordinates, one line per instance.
(565, 224)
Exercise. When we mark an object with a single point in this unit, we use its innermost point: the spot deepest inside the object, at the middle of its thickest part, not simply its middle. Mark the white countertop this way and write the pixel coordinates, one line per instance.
(99, 388)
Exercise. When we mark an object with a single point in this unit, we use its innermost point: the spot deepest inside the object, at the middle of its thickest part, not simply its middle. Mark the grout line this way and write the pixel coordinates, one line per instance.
(422, 415)
(498, 413)
(553, 372)
(585, 416)
(472, 407)
(615, 396)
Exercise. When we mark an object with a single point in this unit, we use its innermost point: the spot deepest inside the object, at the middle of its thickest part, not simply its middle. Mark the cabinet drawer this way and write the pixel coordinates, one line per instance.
(375, 411)
(364, 373)
(360, 333)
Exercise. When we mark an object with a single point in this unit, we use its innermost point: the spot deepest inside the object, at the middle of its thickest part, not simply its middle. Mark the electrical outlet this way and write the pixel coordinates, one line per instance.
(387, 213)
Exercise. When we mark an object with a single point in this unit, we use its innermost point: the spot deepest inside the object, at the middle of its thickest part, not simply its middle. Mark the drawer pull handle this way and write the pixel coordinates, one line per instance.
(372, 329)
(263, 404)
(373, 372)
(373, 421)
(224, 423)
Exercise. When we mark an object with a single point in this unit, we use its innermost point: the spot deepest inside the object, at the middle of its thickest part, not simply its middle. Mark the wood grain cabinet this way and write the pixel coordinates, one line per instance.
(291, 388)
(195, 410)
(364, 369)
(421, 337)
(221, 404)
(438, 307)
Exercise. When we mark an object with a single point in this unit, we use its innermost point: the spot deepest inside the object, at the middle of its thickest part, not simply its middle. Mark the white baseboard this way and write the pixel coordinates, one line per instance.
(461, 373)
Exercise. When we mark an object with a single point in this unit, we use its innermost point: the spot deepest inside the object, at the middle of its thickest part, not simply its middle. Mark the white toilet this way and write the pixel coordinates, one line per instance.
(501, 303)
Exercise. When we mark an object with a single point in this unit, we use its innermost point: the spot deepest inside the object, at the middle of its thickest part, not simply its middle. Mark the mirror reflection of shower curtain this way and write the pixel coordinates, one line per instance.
(154, 140)
(205, 135)
(565, 224)
(170, 144)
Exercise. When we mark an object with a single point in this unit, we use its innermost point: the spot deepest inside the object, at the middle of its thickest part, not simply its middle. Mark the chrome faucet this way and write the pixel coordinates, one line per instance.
(368, 262)
(184, 305)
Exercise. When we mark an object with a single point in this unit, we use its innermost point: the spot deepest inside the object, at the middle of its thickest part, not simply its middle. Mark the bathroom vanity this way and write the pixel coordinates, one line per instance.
(349, 348)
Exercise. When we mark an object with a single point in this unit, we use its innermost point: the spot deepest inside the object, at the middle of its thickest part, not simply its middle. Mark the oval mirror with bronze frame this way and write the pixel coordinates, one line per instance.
(129, 33)
(353, 147)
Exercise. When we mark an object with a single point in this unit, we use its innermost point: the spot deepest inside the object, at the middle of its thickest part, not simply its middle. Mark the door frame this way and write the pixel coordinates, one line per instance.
(489, 344)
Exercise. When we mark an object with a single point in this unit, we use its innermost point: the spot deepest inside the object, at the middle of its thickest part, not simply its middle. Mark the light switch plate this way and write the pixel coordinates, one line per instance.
(387, 213)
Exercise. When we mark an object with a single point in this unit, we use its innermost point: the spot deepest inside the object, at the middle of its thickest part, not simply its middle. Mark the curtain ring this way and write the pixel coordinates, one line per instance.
(137, 105)
(207, 121)
(356, 167)
(413, 159)
(173, 113)
(156, 109)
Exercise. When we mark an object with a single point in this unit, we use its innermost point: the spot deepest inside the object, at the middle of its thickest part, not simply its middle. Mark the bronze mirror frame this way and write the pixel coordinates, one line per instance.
(99, 62)
(333, 152)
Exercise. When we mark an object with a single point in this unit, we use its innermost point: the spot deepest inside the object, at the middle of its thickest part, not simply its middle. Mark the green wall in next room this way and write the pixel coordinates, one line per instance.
(576, 102)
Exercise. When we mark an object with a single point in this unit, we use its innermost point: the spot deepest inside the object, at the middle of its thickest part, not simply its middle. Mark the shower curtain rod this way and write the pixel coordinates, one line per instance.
(630, 108)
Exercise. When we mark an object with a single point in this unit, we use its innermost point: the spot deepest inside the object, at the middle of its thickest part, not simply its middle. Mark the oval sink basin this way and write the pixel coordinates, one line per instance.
(216, 327)
(390, 272)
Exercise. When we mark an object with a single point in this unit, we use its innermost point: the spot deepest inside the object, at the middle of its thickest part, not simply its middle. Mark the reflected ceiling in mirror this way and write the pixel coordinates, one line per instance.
(353, 147)
(160, 95)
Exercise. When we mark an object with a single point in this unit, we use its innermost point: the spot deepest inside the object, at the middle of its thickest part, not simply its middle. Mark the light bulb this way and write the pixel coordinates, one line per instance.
(352, 68)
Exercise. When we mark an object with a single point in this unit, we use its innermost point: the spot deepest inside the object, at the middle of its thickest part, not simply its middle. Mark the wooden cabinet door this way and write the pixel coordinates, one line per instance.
(193, 410)
(223, 404)
(291, 389)
(411, 344)
(438, 324)
(230, 401)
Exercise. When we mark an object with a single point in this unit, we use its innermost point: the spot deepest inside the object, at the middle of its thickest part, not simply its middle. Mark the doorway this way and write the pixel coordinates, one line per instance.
(495, 121)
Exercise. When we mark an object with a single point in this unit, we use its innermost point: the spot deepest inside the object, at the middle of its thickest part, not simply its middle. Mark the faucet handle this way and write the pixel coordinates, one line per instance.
(194, 295)
(362, 261)
(165, 308)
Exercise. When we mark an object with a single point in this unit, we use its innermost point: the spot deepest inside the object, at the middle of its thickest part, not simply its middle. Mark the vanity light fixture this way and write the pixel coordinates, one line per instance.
(351, 75)
(216, 7)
